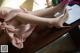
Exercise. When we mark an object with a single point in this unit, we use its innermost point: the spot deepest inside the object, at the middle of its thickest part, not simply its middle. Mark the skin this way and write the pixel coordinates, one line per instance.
(18, 17)
(39, 16)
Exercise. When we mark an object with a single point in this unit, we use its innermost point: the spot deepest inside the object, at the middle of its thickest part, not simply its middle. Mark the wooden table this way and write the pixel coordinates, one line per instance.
(41, 38)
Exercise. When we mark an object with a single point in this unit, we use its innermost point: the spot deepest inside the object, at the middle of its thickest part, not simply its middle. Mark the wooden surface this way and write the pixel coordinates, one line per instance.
(42, 37)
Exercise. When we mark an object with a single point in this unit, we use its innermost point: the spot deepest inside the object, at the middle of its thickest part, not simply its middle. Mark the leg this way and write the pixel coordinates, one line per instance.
(48, 11)
(29, 18)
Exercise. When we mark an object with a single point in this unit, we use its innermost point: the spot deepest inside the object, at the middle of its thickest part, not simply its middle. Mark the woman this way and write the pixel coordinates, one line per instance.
(21, 26)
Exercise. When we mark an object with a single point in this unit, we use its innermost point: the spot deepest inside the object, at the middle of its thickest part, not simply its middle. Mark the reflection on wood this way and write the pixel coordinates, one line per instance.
(64, 44)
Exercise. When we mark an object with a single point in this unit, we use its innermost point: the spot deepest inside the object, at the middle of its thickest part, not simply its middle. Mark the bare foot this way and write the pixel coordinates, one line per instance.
(60, 7)
(58, 22)
(17, 43)
(62, 19)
